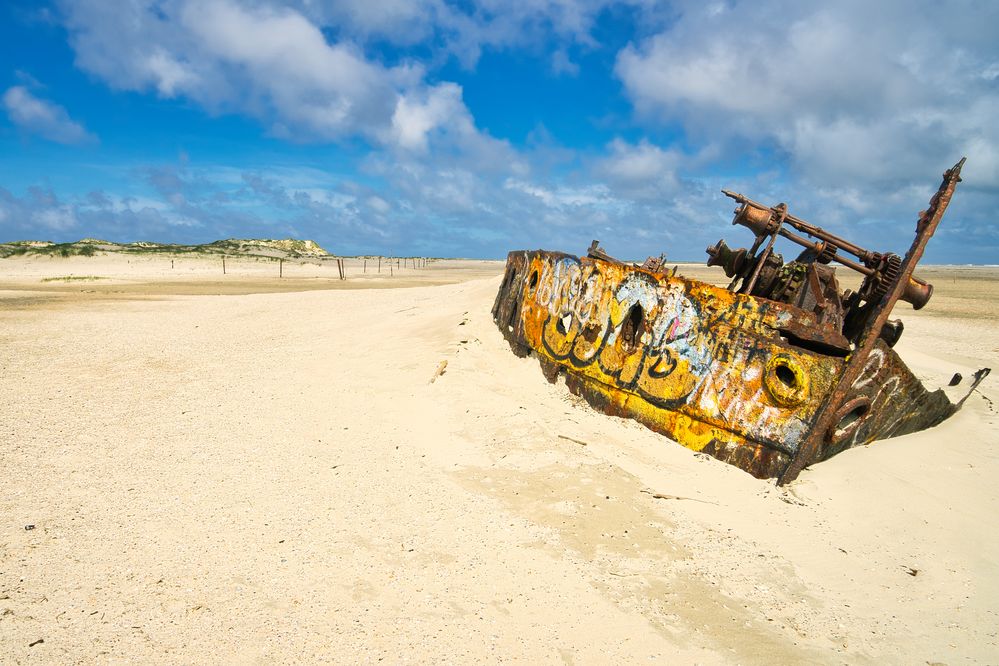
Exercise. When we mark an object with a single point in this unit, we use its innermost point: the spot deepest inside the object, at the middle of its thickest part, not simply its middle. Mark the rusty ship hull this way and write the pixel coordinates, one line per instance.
(695, 362)
(761, 384)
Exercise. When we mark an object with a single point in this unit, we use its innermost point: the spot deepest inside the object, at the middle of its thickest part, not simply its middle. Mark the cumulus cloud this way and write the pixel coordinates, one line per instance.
(414, 118)
(38, 116)
(463, 30)
(848, 107)
(642, 170)
(270, 62)
(403, 22)
(301, 67)
(39, 210)
(562, 64)
(848, 91)
(302, 70)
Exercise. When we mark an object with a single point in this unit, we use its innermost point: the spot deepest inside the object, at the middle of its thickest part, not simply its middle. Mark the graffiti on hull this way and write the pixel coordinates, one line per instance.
(746, 375)
(688, 359)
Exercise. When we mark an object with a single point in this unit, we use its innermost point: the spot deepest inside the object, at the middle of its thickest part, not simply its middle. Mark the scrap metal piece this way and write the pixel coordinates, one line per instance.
(597, 252)
(654, 264)
(780, 373)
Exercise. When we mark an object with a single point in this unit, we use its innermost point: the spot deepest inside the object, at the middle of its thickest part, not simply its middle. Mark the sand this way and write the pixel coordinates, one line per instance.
(243, 468)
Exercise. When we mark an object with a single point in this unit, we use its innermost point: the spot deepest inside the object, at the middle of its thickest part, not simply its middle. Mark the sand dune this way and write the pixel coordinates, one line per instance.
(270, 475)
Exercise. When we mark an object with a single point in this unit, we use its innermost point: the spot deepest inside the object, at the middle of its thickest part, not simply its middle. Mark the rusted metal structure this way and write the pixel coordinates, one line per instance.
(777, 371)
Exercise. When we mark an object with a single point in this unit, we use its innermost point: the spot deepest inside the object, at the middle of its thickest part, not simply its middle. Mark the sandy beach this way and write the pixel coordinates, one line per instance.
(244, 468)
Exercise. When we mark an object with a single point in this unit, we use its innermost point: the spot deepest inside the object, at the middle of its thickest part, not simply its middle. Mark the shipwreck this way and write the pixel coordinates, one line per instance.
(780, 370)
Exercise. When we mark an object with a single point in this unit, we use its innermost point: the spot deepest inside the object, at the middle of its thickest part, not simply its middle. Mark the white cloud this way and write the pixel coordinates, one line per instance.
(464, 29)
(330, 88)
(562, 64)
(59, 218)
(301, 69)
(39, 211)
(270, 62)
(848, 90)
(44, 118)
(378, 204)
(850, 104)
(563, 196)
(401, 21)
(643, 170)
(169, 75)
(414, 119)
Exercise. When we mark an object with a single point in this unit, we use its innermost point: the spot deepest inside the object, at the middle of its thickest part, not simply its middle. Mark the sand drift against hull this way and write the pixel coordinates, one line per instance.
(777, 371)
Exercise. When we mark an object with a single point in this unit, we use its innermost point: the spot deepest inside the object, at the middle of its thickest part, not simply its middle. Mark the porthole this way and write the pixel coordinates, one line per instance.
(786, 381)
(847, 420)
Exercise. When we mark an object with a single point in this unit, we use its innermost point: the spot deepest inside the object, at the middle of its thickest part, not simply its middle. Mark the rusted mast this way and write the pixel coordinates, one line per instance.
(925, 227)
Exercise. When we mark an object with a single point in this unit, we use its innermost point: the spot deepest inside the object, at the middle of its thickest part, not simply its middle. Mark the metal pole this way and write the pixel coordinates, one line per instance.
(857, 361)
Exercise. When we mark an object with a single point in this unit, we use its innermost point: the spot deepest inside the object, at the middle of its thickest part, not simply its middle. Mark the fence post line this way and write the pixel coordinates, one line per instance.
(223, 264)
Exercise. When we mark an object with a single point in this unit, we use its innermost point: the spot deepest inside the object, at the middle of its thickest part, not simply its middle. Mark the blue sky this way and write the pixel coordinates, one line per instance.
(472, 128)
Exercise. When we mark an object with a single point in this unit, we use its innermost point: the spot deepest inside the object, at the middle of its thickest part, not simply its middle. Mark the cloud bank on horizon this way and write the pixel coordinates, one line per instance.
(472, 128)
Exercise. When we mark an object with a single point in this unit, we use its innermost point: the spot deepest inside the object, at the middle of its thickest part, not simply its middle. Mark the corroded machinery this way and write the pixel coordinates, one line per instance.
(779, 370)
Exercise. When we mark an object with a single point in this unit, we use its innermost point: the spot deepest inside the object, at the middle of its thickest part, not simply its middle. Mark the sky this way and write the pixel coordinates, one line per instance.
(471, 128)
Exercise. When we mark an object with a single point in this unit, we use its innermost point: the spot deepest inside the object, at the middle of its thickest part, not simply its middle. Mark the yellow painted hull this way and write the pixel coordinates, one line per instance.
(714, 370)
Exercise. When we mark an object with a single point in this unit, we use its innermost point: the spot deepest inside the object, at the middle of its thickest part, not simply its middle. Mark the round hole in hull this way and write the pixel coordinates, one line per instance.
(847, 420)
(786, 380)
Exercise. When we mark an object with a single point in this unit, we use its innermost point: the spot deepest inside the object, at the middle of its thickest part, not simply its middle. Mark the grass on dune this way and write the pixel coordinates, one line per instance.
(74, 278)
